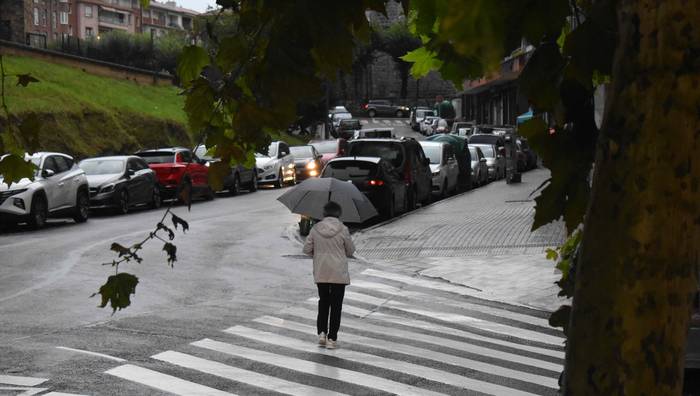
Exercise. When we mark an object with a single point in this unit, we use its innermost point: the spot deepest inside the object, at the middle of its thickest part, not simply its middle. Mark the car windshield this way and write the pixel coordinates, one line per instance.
(158, 157)
(350, 170)
(389, 151)
(434, 153)
(474, 155)
(302, 151)
(342, 116)
(488, 151)
(327, 147)
(102, 167)
(271, 151)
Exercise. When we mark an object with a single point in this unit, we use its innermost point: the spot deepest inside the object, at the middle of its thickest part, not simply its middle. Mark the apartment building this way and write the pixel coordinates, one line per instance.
(38, 22)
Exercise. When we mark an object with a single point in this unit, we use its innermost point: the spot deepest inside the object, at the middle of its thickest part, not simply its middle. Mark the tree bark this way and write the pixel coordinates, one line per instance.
(639, 258)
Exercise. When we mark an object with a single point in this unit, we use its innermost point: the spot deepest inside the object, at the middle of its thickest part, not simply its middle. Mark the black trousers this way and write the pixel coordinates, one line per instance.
(330, 297)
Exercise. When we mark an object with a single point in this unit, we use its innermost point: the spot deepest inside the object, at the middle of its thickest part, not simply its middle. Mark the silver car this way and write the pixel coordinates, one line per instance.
(444, 167)
(277, 166)
(480, 172)
(495, 162)
(59, 189)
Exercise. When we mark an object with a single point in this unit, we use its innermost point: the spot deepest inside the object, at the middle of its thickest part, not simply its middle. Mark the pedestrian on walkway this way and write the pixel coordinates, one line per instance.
(330, 245)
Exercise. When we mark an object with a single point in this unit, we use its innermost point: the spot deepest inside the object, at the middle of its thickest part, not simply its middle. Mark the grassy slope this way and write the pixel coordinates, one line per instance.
(87, 115)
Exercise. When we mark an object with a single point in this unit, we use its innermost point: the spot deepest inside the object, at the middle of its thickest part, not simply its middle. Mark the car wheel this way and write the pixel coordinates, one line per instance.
(209, 194)
(82, 207)
(156, 200)
(279, 183)
(411, 200)
(254, 183)
(391, 208)
(123, 203)
(371, 113)
(39, 212)
(399, 114)
(236, 187)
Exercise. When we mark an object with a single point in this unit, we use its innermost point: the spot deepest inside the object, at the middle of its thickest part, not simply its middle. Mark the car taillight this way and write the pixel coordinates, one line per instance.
(375, 183)
(365, 106)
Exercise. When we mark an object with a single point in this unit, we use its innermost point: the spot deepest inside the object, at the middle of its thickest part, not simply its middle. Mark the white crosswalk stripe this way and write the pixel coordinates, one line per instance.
(412, 331)
(314, 368)
(425, 354)
(164, 382)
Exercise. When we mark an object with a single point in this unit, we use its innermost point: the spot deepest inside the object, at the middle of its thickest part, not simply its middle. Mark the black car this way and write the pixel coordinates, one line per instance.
(381, 182)
(307, 161)
(346, 128)
(239, 177)
(384, 108)
(121, 182)
(407, 156)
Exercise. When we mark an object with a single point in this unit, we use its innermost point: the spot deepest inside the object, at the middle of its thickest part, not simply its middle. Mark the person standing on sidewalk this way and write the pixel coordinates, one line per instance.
(330, 245)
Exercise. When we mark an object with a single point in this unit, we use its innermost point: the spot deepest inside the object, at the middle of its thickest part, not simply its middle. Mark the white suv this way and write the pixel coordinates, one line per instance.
(59, 189)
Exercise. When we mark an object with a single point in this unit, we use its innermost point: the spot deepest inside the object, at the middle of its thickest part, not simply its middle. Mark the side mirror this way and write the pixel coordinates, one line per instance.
(482, 160)
(130, 172)
(47, 173)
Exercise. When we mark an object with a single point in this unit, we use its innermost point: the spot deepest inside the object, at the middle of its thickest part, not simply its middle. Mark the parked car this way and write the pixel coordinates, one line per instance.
(461, 150)
(381, 182)
(330, 149)
(307, 161)
(522, 157)
(238, 177)
(337, 109)
(374, 108)
(428, 124)
(444, 167)
(462, 128)
(59, 189)
(488, 138)
(403, 154)
(417, 115)
(374, 133)
(277, 166)
(480, 172)
(346, 128)
(176, 165)
(495, 162)
(120, 183)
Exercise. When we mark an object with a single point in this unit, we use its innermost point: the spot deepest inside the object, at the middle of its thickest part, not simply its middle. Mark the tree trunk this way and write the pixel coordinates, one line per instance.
(638, 266)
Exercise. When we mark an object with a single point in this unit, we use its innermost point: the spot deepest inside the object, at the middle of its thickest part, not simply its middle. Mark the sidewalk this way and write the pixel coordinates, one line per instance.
(480, 239)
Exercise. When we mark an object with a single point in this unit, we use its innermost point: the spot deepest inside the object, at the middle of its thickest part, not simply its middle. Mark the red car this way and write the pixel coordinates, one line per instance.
(171, 165)
(330, 149)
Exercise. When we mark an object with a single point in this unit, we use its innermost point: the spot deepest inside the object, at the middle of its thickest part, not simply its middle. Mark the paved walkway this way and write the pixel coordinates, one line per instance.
(481, 239)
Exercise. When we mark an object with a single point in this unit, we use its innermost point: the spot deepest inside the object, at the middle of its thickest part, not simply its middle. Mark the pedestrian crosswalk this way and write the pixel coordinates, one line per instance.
(399, 334)
(384, 122)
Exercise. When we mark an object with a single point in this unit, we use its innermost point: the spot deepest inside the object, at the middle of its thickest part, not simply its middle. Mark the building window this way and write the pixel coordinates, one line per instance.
(89, 32)
(88, 11)
(36, 16)
(64, 18)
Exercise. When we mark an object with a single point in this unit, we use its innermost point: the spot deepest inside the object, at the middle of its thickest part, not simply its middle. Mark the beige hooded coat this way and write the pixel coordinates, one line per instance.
(330, 245)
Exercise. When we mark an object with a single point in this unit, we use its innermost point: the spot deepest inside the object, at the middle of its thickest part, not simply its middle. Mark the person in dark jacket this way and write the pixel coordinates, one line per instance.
(330, 245)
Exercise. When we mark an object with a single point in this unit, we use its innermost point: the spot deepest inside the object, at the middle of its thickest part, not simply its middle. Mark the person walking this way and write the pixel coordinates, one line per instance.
(330, 245)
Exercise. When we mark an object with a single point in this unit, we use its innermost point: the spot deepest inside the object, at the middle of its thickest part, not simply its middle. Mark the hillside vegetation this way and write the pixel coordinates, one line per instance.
(87, 115)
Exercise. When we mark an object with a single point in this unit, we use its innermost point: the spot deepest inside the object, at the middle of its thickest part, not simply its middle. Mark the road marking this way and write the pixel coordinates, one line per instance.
(313, 368)
(387, 122)
(32, 391)
(102, 355)
(399, 122)
(441, 341)
(240, 375)
(375, 360)
(61, 394)
(27, 391)
(494, 311)
(364, 122)
(423, 353)
(164, 382)
(420, 324)
(457, 318)
(21, 381)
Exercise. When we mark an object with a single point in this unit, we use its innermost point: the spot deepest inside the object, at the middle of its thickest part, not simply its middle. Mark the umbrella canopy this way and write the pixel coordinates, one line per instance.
(455, 141)
(309, 197)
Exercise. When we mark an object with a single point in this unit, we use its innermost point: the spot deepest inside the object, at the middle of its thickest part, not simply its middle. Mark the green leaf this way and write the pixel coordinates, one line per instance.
(540, 78)
(424, 61)
(190, 64)
(552, 254)
(117, 291)
(25, 79)
(29, 128)
(232, 50)
(200, 105)
(217, 173)
(171, 251)
(177, 220)
(14, 168)
(560, 318)
(171, 234)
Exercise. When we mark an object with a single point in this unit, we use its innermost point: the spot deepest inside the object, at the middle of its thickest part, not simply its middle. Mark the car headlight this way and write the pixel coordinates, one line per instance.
(14, 192)
(107, 188)
(311, 165)
(290, 166)
(267, 167)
